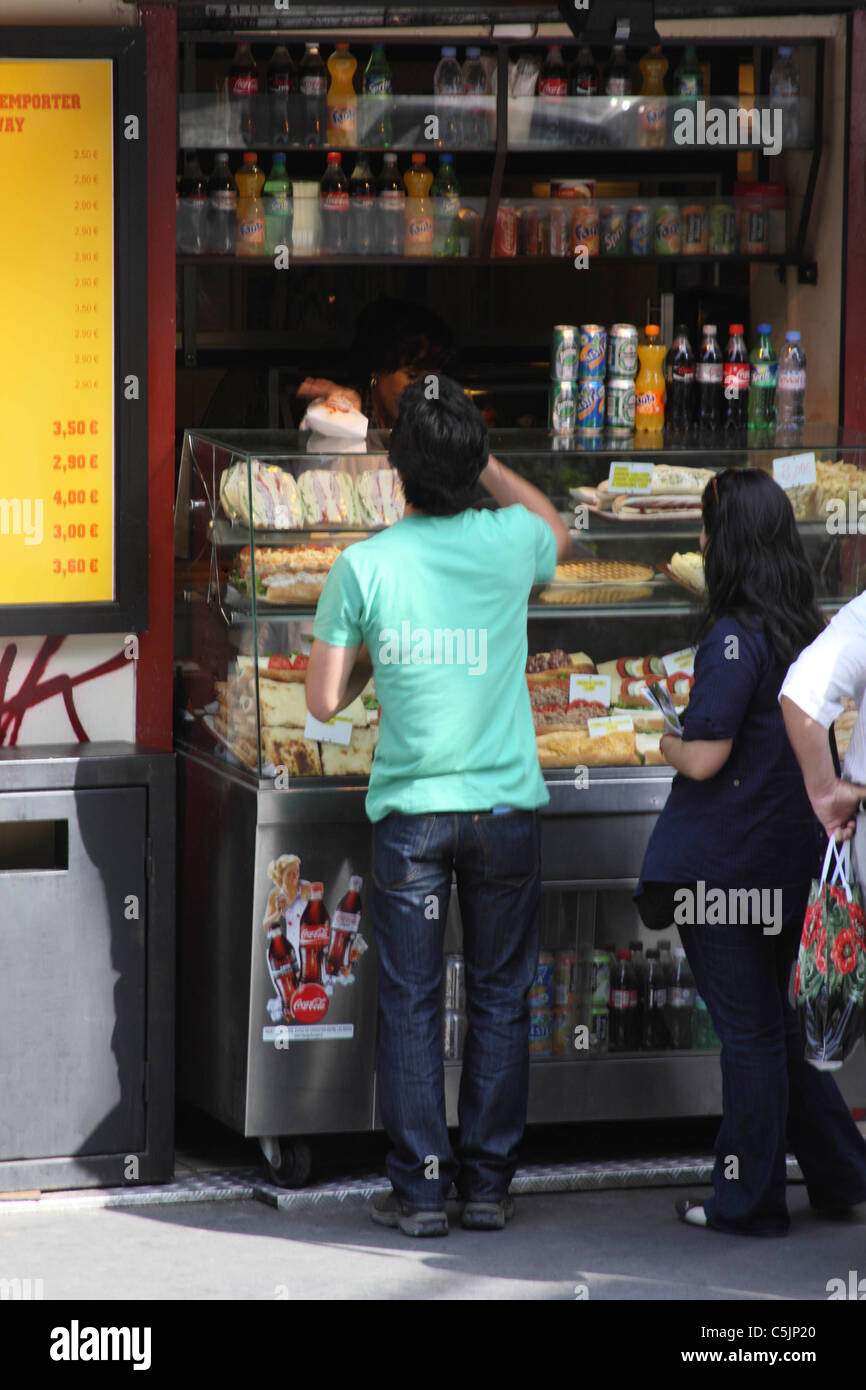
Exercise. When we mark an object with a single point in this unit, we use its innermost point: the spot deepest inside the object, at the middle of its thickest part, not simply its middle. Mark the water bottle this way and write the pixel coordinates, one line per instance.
(654, 1029)
(785, 93)
(476, 127)
(763, 375)
(791, 385)
(448, 90)
(681, 1002)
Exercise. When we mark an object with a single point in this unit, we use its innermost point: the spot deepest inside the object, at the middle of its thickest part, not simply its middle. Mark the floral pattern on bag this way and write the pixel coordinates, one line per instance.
(830, 978)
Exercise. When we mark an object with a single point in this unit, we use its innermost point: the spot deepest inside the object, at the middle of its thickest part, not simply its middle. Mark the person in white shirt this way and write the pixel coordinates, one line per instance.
(833, 668)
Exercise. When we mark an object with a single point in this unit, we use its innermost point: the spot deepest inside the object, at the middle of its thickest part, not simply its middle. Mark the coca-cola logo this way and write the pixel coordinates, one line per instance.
(244, 86)
(315, 936)
(308, 1004)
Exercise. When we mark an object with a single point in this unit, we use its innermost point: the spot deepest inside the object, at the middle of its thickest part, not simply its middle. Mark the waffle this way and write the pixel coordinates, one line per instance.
(597, 593)
(603, 572)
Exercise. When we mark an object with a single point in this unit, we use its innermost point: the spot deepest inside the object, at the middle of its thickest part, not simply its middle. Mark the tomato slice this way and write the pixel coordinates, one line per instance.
(300, 663)
(279, 663)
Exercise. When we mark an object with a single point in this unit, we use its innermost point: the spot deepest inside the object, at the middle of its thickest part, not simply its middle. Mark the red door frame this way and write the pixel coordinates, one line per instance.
(854, 345)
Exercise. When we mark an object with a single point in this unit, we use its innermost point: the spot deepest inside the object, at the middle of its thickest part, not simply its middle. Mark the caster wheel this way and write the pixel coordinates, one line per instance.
(289, 1162)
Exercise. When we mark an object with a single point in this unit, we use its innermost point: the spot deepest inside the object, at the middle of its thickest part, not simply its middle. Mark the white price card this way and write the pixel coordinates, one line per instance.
(613, 724)
(630, 477)
(593, 688)
(798, 470)
(337, 730)
(680, 663)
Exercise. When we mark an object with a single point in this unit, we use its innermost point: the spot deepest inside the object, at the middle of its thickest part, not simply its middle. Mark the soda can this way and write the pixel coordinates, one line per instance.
(755, 237)
(694, 230)
(453, 1034)
(563, 979)
(563, 1030)
(584, 227)
(528, 232)
(640, 229)
(563, 406)
(541, 991)
(599, 979)
(723, 230)
(614, 236)
(590, 406)
(593, 350)
(505, 232)
(559, 227)
(564, 353)
(619, 404)
(540, 1031)
(622, 350)
(454, 984)
(667, 237)
(598, 1031)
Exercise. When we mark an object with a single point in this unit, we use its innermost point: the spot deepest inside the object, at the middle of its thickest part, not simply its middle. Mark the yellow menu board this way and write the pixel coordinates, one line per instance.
(57, 344)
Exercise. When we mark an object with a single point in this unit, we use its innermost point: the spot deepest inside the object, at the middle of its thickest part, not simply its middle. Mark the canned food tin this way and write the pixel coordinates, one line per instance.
(563, 979)
(540, 1031)
(599, 980)
(590, 406)
(598, 1031)
(563, 406)
(723, 230)
(667, 239)
(622, 350)
(505, 232)
(563, 1030)
(528, 232)
(454, 984)
(694, 230)
(453, 1034)
(640, 229)
(619, 404)
(614, 235)
(755, 233)
(564, 353)
(593, 350)
(559, 228)
(584, 228)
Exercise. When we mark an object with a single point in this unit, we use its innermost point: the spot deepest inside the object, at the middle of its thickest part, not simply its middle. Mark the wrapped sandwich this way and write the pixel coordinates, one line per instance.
(287, 574)
(328, 498)
(335, 423)
(674, 495)
(380, 496)
(276, 503)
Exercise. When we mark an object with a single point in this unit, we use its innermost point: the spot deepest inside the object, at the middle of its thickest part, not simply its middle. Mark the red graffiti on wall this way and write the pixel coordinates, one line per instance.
(34, 690)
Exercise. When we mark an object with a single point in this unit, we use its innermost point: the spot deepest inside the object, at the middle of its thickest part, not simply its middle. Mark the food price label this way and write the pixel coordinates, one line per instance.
(57, 350)
(680, 662)
(798, 470)
(337, 730)
(594, 688)
(630, 477)
(613, 724)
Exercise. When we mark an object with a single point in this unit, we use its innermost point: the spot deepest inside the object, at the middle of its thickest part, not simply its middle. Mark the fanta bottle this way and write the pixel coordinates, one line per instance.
(419, 208)
(342, 101)
(250, 180)
(652, 115)
(649, 408)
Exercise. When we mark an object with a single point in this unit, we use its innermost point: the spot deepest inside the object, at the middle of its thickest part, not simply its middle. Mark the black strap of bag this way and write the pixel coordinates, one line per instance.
(835, 751)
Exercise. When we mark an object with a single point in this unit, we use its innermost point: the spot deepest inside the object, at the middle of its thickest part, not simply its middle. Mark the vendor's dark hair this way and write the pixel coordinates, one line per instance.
(438, 446)
(393, 333)
(754, 562)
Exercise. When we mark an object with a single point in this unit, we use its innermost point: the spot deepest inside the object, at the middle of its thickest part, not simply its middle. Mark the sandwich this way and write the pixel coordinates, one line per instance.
(576, 748)
(550, 714)
(688, 568)
(631, 666)
(328, 498)
(380, 496)
(354, 757)
(544, 666)
(674, 494)
(288, 748)
(276, 503)
(333, 422)
(649, 749)
(294, 574)
(277, 668)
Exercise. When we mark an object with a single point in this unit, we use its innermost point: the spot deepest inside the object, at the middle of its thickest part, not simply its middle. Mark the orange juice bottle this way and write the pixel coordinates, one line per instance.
(250, 180)
(649, 405)
(419, 209)
(342, 101)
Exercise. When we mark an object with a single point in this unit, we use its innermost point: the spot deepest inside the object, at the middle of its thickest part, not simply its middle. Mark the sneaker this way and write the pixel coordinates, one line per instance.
(693, 1212)
(487, 1216)
(387, 1210)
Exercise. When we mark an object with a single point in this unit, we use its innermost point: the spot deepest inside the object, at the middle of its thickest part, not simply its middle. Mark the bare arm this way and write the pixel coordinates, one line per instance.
(835, 802)
(315, 388)
(507, 488)
(699, 758)
(335, 677)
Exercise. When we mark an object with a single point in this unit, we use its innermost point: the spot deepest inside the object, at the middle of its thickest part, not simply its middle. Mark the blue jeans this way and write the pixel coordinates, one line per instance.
(771, 1096)
(496, 861)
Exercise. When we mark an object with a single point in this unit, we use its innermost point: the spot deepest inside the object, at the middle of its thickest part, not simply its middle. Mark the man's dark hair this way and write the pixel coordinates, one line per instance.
(394, 333)
(438, 446)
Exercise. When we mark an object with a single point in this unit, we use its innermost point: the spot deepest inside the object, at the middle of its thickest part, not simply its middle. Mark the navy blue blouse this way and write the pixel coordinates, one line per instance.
(751, 825)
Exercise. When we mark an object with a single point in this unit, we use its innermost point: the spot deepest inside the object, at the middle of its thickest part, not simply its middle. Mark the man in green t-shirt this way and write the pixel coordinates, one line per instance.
(437, 606)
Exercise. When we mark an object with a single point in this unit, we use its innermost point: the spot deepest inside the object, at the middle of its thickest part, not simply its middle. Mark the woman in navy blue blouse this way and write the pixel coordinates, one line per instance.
(730, 861)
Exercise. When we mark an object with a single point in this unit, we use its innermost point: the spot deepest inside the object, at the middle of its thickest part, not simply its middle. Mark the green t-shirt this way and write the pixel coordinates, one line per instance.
(441, 604)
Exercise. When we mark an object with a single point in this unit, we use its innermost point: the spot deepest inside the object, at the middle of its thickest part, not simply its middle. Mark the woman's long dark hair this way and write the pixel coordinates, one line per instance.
(754, 562)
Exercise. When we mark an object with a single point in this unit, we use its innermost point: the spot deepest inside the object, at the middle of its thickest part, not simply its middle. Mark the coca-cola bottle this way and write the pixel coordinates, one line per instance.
(314, 936)
(551, 87)
(282, 89)
(391, 208)
(344, 928)
(283, 967)
(710, 378)
(584, 76)
(362, 209)
(243, 90)
(334, 206)
(680, 383)
(313, 84)
(736, 380)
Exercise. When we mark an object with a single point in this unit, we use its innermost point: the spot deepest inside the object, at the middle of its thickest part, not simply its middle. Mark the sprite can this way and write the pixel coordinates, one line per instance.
(563, 406)
(619, 405)
(564, 353)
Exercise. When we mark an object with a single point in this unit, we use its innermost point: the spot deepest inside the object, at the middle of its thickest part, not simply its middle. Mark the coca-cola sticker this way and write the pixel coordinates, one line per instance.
(309, 1004)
